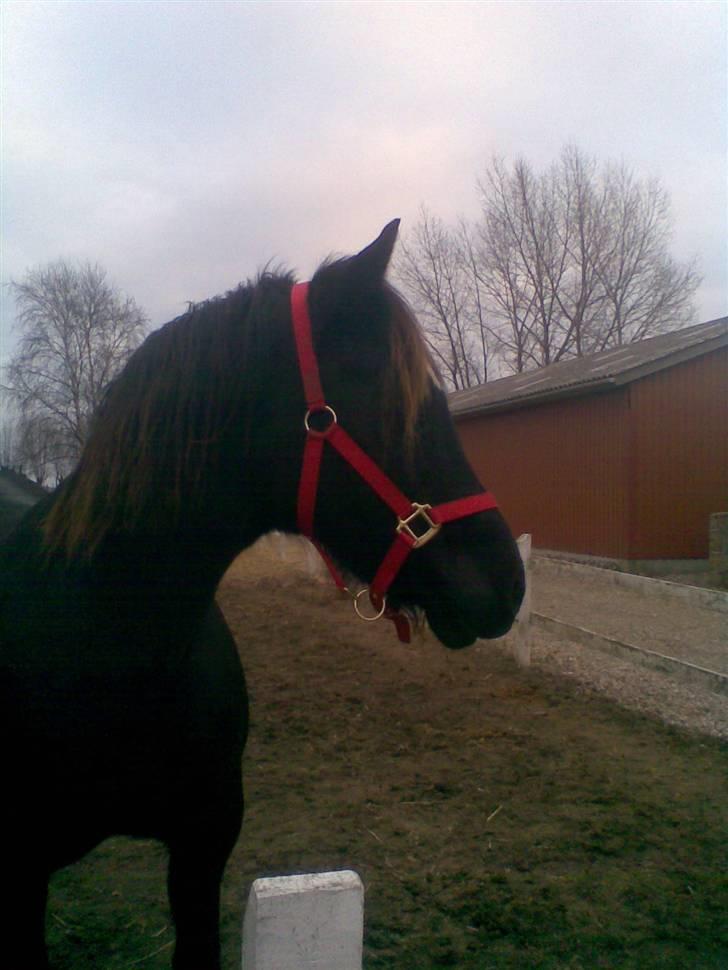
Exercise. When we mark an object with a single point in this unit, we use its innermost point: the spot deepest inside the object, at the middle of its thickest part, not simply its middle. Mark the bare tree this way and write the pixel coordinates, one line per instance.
(582, 229)
(521, 263)
(76, 331)
(559, 264)
(645, 290)
(583, 257)
(9, 453)
(435, 266)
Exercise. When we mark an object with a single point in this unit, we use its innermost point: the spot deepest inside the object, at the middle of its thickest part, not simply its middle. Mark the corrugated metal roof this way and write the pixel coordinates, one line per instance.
(582, 375)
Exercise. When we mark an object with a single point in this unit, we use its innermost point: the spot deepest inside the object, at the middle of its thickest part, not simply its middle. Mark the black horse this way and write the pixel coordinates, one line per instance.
(122, 697)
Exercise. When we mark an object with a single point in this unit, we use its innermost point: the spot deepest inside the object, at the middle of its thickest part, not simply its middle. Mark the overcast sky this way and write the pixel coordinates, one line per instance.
(183, 145)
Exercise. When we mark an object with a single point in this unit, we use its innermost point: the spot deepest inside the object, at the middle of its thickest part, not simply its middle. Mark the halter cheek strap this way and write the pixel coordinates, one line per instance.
(417, 524)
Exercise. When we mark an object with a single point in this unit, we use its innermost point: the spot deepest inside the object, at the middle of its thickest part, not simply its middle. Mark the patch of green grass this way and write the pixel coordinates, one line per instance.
(606, 916)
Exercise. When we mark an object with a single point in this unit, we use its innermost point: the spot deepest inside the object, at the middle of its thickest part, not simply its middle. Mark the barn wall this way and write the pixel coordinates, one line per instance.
(559, 470)
(679, 458)
(632, 473)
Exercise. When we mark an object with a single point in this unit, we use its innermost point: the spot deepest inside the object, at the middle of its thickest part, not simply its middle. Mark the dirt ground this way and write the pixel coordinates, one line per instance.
(498, 817)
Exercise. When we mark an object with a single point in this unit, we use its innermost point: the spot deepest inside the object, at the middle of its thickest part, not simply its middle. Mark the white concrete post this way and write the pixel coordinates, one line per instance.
(521, 642)
(308, 922)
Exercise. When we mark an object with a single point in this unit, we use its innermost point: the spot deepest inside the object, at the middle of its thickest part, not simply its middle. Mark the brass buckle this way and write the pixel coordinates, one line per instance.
(431, 530)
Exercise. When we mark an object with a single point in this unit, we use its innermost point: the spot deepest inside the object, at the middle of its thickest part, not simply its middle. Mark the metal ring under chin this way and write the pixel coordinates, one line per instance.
(324, 410)
(363, 616)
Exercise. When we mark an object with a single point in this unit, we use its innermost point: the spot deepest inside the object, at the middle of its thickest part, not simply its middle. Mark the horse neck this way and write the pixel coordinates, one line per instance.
(175, 573)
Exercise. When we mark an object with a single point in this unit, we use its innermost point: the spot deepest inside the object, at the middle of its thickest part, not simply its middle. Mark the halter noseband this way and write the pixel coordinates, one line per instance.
(417, 523)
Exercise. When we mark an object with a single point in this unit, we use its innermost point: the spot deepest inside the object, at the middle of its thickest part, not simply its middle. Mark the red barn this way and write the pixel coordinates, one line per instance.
(622, 455)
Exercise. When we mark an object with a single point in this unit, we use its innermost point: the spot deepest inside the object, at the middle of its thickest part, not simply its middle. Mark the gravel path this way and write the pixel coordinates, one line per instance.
(670, 627)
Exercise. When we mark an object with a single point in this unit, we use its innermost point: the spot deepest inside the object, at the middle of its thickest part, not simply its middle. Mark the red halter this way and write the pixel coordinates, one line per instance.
(417, 523)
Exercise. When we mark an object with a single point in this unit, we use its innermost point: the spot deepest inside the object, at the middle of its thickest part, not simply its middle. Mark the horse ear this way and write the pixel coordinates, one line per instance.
(340, 285)
(371, 263)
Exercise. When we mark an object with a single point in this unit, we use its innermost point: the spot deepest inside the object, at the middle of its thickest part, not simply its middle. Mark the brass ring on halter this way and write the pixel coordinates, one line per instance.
(363, 616)
(312, 411)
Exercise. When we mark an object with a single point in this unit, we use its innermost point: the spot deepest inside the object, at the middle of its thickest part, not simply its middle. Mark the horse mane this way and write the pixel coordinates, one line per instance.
(156, 432)
(160, 420)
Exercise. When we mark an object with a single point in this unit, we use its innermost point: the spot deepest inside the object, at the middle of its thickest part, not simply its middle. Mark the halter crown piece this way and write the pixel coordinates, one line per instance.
(417, 523)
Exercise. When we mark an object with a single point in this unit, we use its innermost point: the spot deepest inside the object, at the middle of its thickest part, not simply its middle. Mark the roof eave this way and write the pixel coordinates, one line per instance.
(681, 356)
(599, 384)
(538, 397)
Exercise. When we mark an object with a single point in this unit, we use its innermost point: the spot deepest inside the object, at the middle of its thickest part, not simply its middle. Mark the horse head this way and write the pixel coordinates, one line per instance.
(379, 385)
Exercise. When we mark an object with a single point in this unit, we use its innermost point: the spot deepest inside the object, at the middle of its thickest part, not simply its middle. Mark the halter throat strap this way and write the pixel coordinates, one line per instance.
(417, 523)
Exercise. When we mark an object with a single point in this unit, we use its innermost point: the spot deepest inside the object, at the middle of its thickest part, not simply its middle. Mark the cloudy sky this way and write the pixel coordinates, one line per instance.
(183, 145)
